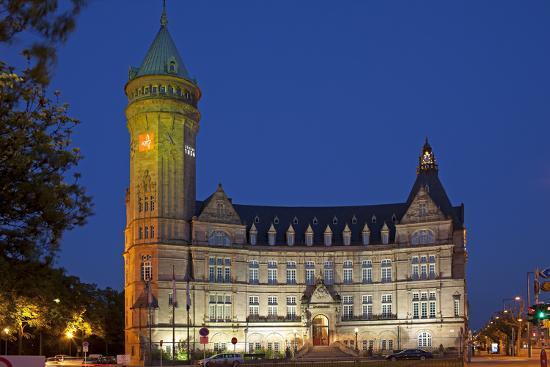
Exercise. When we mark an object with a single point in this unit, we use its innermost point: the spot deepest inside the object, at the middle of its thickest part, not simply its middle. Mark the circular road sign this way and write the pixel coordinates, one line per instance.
(204, 331)
(233, 340)
(85, 344)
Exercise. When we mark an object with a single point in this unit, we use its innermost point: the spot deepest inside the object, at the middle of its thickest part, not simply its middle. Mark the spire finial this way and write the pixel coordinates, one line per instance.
(427, 159)
(163, 17)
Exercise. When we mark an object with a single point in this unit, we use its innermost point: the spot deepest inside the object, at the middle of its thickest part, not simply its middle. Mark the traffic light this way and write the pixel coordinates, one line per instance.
(538, 313)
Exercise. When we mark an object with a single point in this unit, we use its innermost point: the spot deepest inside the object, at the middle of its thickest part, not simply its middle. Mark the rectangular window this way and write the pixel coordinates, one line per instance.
(227, 274)
(456, 307)
(348, 276)
(170, 299)
(432, 271)
(272, 306)
(310, 276)
(219, 274)
(386, 305)
(366, 275)
(347, 305)
(291, 276)
(423, 271)
(432, 309)
(253, 305)
(367, 306)
(416, 312)
(385, 271)
(272, 276)
(253, 271)
(415, 271)
(424, 310)
(291, 312)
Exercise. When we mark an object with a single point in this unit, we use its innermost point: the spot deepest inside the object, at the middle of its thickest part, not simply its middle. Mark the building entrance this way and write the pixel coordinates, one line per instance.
(320, 330)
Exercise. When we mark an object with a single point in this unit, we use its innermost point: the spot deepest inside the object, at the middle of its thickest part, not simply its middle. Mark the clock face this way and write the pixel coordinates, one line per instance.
(145, 142)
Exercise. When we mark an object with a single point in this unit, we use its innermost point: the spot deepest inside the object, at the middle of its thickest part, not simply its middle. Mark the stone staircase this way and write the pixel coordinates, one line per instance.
(325, 353)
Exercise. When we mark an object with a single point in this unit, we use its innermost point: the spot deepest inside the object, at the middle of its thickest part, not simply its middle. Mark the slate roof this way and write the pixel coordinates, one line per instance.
(161, 51)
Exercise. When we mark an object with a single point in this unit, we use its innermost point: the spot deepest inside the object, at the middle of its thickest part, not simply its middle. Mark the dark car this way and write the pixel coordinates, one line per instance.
(410, 354)
(106, 360)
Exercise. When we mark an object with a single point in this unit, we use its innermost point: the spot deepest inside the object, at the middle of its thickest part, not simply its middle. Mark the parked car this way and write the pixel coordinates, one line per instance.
(222, 359)
(410, 354)
(106, 360)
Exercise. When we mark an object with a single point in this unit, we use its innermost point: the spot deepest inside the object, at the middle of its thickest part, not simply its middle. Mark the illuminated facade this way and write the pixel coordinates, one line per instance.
(275, 276)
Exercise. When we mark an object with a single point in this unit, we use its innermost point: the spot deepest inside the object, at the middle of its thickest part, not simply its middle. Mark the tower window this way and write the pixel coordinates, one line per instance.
(295, 220)
(170, 90)
(152, 231)
(178, 92)
(154, 90)
(315, 221)
(172, 67)
(162, 89)
(373, 218)
(354, 220)
(276, 220)
(146, 268)
(152, 203)
(256, 219)
(146, 232)
(190, 151)
(335, 220)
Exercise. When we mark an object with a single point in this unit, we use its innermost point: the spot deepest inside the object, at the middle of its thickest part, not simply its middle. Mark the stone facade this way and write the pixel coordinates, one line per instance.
(389, 276)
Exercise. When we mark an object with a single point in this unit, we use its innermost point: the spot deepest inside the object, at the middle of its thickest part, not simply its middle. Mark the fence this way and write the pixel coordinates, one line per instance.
(364, 363)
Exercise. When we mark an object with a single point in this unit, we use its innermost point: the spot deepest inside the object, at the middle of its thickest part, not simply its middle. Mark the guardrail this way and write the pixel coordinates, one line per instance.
(361, 363)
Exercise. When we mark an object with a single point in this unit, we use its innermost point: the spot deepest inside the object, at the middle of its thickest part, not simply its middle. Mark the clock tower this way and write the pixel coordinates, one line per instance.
(163, 122)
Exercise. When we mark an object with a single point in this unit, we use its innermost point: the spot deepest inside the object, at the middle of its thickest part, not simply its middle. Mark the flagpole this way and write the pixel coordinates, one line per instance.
(173, 313)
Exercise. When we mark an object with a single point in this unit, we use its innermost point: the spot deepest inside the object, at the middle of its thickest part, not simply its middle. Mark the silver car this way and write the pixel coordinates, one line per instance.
(223, 360)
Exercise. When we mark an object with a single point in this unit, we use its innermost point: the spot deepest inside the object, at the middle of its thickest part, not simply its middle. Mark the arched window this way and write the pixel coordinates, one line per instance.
(172, 66)
(424, 339)
(219, 238)
(423, 237)
(146, 268)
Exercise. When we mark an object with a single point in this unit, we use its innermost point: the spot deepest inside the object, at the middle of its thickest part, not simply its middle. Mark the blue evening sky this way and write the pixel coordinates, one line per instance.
(328, 103)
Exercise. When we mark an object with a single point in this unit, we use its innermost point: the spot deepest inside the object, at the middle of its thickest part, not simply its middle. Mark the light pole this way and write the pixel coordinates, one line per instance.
(69, 336)
(519, 319)
(529, 324)
(295, 343)
(356, 332)
(7, 332)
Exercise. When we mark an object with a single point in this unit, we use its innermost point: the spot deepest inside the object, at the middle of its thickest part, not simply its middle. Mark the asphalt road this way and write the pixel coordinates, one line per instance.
(503, 362)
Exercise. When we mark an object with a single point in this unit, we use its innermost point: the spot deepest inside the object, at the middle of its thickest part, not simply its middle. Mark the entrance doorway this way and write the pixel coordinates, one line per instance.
(320, 330)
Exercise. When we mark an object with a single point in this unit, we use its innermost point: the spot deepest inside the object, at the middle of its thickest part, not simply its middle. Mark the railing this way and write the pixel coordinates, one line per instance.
(272, 318)
(369, 317)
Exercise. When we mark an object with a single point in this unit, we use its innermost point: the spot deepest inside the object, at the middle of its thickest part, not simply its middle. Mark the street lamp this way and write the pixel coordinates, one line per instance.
(7, 332)
(295, 342)
(356, 346)
(69, 335)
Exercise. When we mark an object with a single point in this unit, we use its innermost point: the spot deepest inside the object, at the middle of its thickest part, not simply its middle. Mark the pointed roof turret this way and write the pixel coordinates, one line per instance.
(427, 178)
(426, 161)
(163, 56)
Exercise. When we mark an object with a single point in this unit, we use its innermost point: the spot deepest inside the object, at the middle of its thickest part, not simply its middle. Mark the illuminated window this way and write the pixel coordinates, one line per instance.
(386, 305)
(253, 271)
(253, 305)
(152, 203)
(385, 271)
(146, 268)
(328, 272)
(348, 271)
(190, 151)
(310, 272)
(366, 271)
(272, 272)
(424, 339)
(145, 142)
(347, 307)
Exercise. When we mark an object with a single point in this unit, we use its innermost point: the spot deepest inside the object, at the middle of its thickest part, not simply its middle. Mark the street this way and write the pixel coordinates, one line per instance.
(503, 362)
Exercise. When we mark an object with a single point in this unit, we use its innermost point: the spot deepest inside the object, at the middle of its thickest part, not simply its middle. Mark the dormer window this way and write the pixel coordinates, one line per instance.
(276, 220)
(334, 220)
(347, 236)
(271, 234)
(373, 219)
(253, 235)
(315, 221)
(290, 238)
(365, 235)
(295, 221)
(354, 220)
(328, 236)
(172, 66)
(309, 236)
(256, 219)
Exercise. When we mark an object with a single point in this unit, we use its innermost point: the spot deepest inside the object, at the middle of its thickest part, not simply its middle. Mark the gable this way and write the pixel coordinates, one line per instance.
(219, 209)
(422, 209)
(321, 295)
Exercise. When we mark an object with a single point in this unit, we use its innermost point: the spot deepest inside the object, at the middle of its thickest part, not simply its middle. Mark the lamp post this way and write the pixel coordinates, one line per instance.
(69, 336)
(529, 324)
(356, 332)
(7, 332)
(295, 342)
(519, 319)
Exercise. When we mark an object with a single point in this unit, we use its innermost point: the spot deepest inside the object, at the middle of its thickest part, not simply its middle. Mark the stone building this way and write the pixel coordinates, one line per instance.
(388, 276)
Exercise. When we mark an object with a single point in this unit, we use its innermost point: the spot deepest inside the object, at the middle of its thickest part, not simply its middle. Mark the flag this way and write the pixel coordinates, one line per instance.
(189, 276)
(174, 298)
(149, 295)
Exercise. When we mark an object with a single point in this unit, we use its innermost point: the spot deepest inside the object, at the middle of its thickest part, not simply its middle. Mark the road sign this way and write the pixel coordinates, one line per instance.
(545, 287)
(233, 340)
(203, 331)
(204, 340)
(85, 346)
(545, 273)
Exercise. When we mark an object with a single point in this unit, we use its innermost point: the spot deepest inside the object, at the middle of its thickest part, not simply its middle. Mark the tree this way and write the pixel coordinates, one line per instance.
(37, 201)
(48, 24)
(27, 314)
